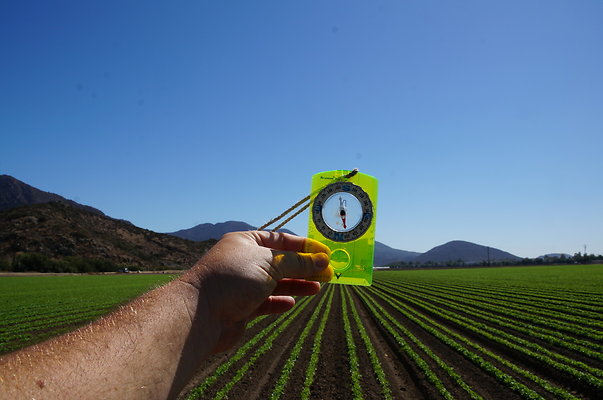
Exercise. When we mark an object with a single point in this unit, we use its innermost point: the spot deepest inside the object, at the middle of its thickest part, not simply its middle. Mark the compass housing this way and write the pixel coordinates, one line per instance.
(326, 215)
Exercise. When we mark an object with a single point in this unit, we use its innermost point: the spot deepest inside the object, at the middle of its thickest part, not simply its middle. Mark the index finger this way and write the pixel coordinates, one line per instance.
(287, 242)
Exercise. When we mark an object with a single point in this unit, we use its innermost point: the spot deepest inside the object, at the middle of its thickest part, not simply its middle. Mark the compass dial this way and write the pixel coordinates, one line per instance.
(342, 211)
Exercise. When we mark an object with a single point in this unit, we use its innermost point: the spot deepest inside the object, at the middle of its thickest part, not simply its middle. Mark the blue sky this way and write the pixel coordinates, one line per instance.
(482, 120)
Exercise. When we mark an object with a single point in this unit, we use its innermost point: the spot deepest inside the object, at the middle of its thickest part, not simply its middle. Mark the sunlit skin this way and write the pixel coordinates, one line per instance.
(151, 347)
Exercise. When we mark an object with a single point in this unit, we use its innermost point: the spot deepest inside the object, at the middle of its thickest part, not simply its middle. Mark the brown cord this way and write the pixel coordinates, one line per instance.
(347, 176)
(285, 213)
(291, 217)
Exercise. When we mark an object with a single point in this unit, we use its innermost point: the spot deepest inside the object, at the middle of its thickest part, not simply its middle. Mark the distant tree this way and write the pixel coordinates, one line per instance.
(30, 262)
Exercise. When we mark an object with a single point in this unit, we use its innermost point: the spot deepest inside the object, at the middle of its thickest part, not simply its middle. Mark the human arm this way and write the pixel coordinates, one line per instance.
(151, 347)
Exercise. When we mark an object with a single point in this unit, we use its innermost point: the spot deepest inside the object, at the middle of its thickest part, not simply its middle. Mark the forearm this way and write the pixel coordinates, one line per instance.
(146, 349)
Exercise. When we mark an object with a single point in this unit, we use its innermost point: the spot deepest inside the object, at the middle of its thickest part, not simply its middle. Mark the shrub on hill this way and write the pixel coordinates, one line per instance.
(35, 262)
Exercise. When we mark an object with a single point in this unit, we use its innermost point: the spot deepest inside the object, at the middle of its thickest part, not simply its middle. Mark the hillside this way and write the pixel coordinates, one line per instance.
(60, 231)
(385, 255)
(14, 193)
(467, 252)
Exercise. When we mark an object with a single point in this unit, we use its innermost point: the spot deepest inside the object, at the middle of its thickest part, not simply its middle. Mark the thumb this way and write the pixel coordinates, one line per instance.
(310, 266)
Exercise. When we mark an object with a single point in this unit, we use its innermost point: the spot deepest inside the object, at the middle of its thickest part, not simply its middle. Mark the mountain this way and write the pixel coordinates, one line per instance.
(467, 252)
(14, 193)
(385, 255)
(215, 231)
(59, 231)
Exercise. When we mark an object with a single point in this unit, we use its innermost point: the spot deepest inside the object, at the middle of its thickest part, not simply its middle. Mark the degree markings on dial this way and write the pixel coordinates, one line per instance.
(352, 210)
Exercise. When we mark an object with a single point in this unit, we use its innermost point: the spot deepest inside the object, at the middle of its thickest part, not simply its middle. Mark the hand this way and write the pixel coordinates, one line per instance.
(247, 274)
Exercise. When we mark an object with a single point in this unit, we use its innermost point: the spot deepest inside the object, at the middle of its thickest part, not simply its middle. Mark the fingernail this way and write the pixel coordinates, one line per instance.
(320, 260)
(323, 276)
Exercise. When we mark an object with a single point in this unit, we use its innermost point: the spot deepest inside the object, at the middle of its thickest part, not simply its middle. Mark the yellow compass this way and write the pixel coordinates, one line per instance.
(342, 216)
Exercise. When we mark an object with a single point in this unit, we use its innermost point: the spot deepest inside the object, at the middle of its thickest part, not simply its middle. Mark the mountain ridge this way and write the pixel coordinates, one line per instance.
(15, 193)
(465, 252)
(385, 255)
(215, 231)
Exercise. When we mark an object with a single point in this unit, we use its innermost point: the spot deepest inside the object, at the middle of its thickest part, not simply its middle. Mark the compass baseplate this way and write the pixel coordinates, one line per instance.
(343, 217)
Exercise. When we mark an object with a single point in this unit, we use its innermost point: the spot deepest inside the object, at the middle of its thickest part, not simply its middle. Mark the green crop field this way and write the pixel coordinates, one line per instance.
(475, 333)
(482, 333)
(34, 308)
(579, 278)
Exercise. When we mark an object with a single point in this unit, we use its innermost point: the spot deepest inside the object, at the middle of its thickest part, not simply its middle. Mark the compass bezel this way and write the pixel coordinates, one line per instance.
(363, 199)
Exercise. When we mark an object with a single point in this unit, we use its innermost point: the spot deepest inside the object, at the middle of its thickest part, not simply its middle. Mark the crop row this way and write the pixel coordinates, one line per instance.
(572, 300)
(457, 318)
(316, 348)
(525, 313)
(554, 295)
(369, 348)
(565, 310)
(477, 309)
(281, 384)
(390, 324)
(458, 342)
(20, 318)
